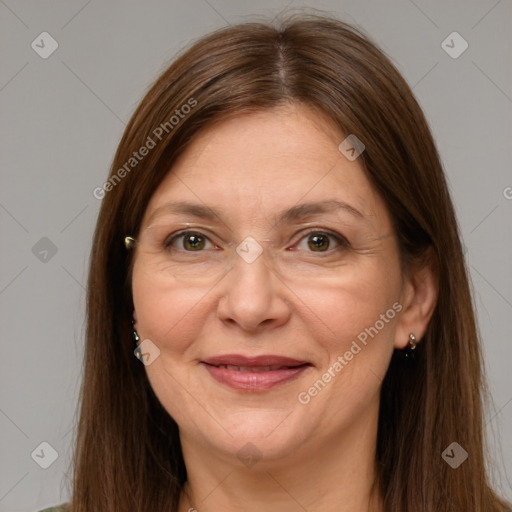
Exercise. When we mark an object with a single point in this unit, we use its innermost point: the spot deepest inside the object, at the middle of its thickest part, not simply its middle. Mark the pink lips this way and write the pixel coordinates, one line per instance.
(254, 374)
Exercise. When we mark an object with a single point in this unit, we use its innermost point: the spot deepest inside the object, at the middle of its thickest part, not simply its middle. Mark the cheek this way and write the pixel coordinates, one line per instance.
(360, 313)
(170, 314)
(352, 318)
(354, 299)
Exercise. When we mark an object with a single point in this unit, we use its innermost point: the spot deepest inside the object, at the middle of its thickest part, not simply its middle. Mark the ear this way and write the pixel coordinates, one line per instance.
(419, 299)
(134, 316)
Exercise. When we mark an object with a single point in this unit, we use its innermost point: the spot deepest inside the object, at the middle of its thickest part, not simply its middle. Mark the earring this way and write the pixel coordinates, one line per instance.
(408, 352)
(135, 335)
(129, 242)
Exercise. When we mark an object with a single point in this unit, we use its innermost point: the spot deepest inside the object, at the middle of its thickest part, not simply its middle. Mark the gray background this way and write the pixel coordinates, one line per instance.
(62, 117)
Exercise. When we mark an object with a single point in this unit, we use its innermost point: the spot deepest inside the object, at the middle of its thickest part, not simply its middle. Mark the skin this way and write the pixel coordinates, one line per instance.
(293, 300)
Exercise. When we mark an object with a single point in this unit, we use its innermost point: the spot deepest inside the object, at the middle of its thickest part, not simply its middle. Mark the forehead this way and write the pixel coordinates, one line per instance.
(263, 161)
(293, 140)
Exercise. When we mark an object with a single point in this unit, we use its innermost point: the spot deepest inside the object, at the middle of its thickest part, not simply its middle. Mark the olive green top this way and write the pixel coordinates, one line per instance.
(63, 507)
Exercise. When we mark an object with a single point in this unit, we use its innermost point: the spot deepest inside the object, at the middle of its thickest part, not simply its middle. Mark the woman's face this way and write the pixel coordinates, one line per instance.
(281, 340)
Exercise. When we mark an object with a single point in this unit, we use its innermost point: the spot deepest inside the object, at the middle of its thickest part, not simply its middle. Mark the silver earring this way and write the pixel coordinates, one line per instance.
(135, 336)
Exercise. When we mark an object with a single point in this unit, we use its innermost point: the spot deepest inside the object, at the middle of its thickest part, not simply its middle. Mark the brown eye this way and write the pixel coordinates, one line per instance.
(190, 242)
(322, 242)
(193, 242)
(318, 242)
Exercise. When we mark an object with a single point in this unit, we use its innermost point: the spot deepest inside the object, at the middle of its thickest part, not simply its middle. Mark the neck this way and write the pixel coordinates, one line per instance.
(333, 475)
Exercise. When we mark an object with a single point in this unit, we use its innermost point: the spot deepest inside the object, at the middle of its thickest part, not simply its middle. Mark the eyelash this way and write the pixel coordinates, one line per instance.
(341, 240)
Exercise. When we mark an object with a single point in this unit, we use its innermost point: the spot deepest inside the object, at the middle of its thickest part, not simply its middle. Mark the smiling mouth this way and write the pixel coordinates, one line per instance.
(256, 378)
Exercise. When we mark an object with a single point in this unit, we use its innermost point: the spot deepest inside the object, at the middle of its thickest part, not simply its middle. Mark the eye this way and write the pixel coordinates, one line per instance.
(320, 241)
(192, 241)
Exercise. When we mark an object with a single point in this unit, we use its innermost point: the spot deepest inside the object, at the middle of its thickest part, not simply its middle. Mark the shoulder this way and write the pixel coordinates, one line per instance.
(64, 507)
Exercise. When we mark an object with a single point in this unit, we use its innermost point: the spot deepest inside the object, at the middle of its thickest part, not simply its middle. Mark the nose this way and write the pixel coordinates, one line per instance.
(253, 297)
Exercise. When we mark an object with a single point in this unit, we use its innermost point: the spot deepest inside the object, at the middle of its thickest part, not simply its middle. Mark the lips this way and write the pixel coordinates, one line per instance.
(235, 368)
(254, 362)
(254, 374)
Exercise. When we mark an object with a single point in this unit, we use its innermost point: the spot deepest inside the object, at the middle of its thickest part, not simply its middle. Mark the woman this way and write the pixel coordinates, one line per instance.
(277, 238)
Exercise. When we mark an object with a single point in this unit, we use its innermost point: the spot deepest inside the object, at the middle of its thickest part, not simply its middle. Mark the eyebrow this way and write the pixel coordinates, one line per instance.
(297, 212)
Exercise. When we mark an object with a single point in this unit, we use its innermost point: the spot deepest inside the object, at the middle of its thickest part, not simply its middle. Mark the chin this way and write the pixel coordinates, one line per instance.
(268, 435)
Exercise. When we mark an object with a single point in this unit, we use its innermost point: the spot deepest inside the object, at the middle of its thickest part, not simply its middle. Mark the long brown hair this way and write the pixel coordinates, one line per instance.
(127, 454)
